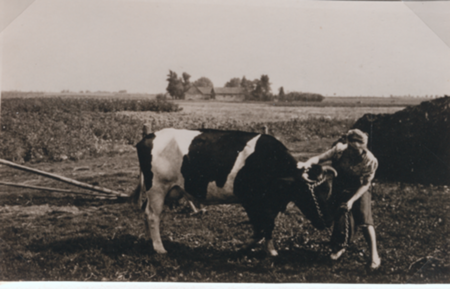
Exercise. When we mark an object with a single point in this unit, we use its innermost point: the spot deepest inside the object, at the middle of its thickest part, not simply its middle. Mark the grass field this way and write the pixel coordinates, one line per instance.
(51, 236)
(255, 112)
(360, 102)
(281, 121)
(97, 95)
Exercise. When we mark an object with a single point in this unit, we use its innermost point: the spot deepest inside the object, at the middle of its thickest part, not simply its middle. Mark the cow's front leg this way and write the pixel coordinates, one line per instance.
(153, 212)
(254, 219)
(270, 248)
(263, 221)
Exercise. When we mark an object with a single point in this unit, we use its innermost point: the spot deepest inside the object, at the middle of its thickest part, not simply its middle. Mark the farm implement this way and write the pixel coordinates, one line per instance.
(97, 191)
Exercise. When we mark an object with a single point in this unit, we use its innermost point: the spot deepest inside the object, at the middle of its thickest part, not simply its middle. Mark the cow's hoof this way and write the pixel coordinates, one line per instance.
(249, 244)
(199, 212)
(247, 247)
(270, 248)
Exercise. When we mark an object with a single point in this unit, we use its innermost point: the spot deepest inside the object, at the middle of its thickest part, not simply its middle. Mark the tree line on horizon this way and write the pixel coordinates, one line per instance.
(255, 90)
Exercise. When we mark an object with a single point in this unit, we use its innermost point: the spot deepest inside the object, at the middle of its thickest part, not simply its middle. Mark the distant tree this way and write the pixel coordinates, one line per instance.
(302, 96)
(161, 96)
(234, 82)
(186, 81)
(180, 90)
(281, 92)
(203, 82)
(175, 86)
(262, 91)
(186, 77)
(172, 78)
(248, 86)
(265, 84)
(123, 91)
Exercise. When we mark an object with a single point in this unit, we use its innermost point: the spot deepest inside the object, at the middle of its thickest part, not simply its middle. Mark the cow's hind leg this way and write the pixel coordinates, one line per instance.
(153, 212)
(251, 243)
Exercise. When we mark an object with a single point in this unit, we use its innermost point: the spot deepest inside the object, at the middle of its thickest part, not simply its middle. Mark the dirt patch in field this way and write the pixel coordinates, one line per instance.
(38, 210)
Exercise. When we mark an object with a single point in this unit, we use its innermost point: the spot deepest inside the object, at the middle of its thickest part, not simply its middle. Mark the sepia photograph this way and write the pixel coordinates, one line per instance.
(224, 143)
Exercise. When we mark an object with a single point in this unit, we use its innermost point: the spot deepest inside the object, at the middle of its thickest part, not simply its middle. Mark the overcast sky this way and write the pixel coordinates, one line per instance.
(328, 47)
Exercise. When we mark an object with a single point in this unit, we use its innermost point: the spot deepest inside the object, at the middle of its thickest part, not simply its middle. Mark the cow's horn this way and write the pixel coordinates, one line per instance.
(329, 168)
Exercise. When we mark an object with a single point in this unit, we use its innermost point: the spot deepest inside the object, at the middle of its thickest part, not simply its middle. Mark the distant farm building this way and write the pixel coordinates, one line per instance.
(218, 93)
(229, 93)
(195, 92)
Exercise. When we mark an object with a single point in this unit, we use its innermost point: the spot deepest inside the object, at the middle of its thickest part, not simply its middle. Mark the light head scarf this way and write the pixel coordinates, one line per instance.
(356, 135)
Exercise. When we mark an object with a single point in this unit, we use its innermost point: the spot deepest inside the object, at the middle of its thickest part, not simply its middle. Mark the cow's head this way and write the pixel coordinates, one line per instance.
(313, 194)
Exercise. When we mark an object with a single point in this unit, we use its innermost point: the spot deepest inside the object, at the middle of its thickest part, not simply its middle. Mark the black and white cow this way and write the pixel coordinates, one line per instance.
(216, 167)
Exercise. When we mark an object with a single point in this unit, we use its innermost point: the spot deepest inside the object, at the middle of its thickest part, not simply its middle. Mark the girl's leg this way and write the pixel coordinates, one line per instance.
(369, 234)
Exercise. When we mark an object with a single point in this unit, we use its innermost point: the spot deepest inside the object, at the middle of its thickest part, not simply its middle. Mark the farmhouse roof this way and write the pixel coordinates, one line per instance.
(217, 90)
(228, 90)
(205, 90)
(196, 89)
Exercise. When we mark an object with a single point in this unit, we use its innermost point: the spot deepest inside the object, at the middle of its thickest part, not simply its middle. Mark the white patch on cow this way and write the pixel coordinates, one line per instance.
(183, 138)
(225, 194)
(169, 147)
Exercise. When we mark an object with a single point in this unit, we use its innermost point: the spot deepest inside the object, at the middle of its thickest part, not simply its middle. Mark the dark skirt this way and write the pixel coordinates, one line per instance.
(346, 223)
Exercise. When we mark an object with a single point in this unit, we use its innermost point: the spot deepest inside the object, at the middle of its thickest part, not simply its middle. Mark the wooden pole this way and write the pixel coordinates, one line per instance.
(265, 129)
(48, 189)
(146, 129)
(63, 179)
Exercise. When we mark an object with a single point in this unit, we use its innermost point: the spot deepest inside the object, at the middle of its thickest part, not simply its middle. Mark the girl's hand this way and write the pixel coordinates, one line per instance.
(303, 165)
(347, 206)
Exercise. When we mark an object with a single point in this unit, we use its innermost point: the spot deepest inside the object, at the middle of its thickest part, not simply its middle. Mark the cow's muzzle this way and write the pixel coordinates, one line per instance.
(325, 169)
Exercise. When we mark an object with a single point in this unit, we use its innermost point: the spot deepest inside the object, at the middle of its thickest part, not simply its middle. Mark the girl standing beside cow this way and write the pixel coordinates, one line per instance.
(356, 167)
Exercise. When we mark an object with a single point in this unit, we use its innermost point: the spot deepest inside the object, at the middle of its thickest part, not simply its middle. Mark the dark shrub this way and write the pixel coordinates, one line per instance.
(412, 144)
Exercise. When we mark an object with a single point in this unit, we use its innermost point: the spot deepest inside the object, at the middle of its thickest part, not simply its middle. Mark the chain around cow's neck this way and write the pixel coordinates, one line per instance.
(345, 243)
(311, 188)
(319, 212)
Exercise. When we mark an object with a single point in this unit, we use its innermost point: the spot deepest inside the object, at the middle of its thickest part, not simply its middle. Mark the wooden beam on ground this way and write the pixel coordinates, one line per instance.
(64, 179)
(50, 189)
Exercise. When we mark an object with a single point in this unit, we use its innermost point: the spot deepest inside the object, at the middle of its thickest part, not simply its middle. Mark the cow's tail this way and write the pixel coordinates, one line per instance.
(138, 195)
